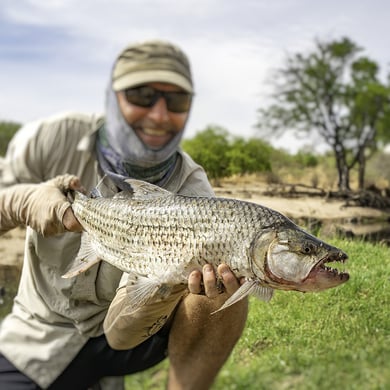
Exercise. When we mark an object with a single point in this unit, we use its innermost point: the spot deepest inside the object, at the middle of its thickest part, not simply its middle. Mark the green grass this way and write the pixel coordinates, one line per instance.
(337, 339)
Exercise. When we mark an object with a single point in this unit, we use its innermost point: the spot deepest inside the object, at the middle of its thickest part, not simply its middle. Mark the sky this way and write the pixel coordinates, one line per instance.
(57, 55)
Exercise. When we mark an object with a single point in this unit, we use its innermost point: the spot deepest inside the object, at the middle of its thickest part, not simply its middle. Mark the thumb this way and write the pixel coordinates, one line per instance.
(70, 221)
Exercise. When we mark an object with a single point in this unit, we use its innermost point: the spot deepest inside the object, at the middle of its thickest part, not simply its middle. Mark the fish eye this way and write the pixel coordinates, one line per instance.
(308, 248)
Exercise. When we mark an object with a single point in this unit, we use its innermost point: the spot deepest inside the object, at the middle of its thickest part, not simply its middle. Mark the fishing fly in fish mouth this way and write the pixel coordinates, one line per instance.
(260, 245)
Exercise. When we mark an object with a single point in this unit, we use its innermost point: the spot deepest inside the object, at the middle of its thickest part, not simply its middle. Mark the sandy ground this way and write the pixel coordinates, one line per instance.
(303, 207)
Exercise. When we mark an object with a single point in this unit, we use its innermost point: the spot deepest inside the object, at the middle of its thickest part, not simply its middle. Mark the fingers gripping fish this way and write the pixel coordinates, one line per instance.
(159, 238)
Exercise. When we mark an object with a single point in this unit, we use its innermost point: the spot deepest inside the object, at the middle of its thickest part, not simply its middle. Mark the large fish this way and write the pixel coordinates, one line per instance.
(159, 237)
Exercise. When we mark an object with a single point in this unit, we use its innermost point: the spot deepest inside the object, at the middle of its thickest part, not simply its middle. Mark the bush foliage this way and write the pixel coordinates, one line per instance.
(7, 130)
(223, 155)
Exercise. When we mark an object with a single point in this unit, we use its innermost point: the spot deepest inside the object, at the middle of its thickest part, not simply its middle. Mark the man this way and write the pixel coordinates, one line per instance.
(70, 333)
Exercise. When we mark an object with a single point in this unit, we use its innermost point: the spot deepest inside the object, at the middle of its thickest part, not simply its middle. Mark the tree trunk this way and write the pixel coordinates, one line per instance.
(362, 169)
(342, 170)
(344, 179)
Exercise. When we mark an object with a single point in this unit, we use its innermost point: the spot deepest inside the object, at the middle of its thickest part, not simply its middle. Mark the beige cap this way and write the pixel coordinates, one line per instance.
(151, 61)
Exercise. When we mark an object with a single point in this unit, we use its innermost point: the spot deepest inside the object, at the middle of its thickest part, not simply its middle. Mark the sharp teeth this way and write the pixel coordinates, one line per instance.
(334, 271)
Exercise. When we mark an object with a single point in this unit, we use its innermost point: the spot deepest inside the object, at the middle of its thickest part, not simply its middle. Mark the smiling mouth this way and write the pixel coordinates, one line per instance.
(154, 138)
(154, 132)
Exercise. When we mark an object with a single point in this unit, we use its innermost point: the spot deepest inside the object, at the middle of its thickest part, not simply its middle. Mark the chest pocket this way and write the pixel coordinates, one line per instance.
(98, 284)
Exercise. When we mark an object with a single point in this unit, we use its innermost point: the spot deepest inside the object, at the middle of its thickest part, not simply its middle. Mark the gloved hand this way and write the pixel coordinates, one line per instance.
(44, 207)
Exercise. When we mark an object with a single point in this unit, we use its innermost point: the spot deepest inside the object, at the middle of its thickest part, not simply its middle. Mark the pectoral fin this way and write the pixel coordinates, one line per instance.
(84, 260)
(250, 287)
(262, 292)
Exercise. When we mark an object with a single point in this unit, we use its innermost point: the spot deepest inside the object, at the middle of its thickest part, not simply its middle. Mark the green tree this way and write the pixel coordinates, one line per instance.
(222, 155)
(335, 92)
(209, 148)
(306, 159)
(7, 130)
(248, 156)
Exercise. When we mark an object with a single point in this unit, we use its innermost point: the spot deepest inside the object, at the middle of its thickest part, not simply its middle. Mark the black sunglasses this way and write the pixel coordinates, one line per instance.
(146, 96)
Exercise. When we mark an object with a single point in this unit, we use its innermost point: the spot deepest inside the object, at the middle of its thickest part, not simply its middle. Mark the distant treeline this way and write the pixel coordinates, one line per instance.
(223, 155)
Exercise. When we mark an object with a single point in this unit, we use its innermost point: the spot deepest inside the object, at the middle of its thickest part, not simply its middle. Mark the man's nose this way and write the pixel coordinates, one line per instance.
(159, 111)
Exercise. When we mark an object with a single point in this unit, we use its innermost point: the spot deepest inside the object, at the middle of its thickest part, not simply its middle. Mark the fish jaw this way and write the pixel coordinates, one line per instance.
(322, 277)
(296, 261)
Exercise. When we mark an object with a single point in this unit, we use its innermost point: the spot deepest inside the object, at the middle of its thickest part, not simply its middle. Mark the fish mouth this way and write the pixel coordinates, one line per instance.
(330, 275)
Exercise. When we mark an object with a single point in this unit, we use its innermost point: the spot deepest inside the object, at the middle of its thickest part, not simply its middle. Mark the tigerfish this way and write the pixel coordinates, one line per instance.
(159, 238)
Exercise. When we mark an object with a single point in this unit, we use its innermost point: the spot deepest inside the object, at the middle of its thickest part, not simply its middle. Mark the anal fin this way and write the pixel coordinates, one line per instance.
(141, 289)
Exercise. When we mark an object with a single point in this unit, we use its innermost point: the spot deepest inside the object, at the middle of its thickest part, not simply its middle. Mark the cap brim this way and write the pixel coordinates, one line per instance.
(134, 79)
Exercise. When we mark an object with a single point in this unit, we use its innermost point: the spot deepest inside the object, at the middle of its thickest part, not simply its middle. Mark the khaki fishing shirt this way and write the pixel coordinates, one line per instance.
(52, 318)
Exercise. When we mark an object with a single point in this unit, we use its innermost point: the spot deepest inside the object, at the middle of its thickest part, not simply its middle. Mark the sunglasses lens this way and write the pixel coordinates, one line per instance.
(146, 96)
(142, 96)
(178, 101)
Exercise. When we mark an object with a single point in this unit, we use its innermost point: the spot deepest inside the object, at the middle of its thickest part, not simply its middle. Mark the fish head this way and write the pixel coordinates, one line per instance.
(295, 260)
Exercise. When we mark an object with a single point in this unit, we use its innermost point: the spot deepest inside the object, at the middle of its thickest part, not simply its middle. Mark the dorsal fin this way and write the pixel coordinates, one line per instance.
(143, 190)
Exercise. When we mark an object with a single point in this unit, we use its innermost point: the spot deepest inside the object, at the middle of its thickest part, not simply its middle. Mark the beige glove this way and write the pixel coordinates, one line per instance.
(40, 206)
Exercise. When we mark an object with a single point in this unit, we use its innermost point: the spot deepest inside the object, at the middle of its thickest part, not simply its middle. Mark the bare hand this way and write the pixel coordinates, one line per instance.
(70, 221)
(211, 285)
(65, 184)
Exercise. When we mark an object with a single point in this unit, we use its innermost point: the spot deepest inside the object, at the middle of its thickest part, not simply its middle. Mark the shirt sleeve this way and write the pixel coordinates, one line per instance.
(22, 160)
(192, 178)
(126, 328)
(49, 147)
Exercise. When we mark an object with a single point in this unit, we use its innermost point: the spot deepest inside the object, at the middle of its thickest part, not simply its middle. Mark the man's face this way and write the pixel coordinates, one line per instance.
(156, 125)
